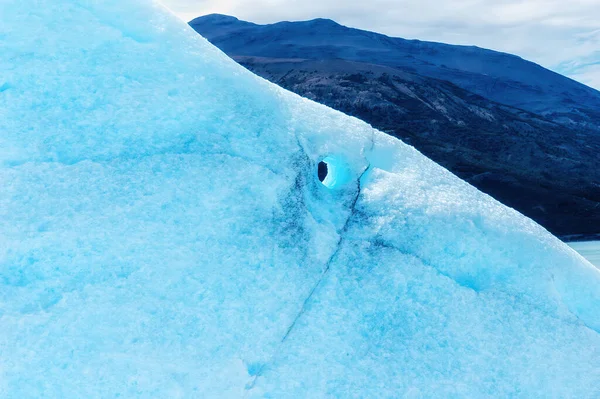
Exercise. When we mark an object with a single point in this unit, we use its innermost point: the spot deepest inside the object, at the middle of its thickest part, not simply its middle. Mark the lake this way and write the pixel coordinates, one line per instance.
(589, 249)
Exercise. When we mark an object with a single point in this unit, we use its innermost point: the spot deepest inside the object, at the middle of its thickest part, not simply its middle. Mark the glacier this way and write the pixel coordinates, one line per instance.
(165, 235)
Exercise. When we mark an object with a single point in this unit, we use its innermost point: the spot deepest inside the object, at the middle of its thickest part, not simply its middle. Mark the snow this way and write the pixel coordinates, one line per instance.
(165, 235)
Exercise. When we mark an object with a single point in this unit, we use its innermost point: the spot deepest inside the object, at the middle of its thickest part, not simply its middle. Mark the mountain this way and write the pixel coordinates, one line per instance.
(501, 77)
(525, 135)
(165, 234)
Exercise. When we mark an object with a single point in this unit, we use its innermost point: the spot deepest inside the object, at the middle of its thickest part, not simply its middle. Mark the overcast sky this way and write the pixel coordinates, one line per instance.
(563, 35)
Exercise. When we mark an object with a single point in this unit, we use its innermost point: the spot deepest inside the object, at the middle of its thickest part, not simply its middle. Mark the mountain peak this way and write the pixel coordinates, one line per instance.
(215, 18)
(323, 21)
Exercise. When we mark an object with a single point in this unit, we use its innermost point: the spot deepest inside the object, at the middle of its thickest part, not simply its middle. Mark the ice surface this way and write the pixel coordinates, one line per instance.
(165, 235)
(589, 250)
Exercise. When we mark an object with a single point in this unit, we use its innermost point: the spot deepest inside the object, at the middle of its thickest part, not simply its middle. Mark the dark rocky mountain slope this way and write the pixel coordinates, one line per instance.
(523, 134)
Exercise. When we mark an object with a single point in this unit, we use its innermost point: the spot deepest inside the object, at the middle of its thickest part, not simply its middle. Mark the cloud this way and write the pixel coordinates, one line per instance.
(590, 75)
(553, 33)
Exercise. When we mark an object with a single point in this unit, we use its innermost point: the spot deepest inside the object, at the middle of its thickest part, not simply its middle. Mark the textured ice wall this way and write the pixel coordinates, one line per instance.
(164, 234)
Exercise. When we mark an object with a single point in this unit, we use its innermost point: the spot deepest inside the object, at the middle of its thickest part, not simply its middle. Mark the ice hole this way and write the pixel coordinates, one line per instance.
(323, 171)
(333, 172)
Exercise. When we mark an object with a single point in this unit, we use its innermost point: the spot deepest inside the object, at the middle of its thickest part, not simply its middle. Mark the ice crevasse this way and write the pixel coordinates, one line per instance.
(164, 234)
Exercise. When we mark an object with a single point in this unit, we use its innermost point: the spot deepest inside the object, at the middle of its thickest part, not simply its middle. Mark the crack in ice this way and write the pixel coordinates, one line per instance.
(324, 274)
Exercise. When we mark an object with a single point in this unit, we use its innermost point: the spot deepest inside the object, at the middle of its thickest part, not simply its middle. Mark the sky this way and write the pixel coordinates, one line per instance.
(562, 35)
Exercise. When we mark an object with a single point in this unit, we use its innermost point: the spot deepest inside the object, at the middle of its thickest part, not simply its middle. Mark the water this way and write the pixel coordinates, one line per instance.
(589, 250)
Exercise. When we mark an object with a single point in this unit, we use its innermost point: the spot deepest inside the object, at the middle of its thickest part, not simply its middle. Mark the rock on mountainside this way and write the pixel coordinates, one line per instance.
(523, 134)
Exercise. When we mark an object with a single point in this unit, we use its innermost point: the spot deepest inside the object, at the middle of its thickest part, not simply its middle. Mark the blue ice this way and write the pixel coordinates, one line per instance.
(165, 235)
